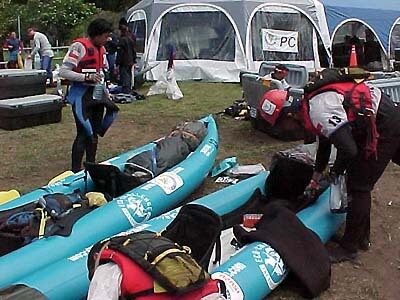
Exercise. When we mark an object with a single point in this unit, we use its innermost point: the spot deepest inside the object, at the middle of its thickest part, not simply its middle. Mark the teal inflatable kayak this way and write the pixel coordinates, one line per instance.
(75, 182)
(68, 277)
(262, 263)
(151, 199)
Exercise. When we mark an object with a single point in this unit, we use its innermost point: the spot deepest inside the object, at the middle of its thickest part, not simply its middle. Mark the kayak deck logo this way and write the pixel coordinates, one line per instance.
(270, 264)
(136, 207)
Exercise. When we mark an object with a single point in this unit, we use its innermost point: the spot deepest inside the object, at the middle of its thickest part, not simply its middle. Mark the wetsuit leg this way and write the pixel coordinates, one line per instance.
(79, 146)
(96, 118)
(91, 149)
(362, 176)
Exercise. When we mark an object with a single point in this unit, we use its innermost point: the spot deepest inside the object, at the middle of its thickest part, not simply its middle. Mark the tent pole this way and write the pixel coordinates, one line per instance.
(19, 27)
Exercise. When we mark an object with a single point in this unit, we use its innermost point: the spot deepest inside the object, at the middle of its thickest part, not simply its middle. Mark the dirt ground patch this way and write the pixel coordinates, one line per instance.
(374, 275)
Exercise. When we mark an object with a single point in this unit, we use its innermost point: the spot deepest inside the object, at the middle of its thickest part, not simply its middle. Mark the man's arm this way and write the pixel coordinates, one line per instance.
(36, 47)
(71, 60)
(323, 154)
(346, 148)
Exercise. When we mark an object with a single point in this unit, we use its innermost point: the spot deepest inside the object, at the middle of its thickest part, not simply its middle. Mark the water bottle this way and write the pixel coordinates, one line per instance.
(338, 196)
(56, 76)
(98, 90)
(36, 61)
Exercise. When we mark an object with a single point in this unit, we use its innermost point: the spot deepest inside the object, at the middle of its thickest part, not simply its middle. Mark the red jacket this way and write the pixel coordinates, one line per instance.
(135, 280)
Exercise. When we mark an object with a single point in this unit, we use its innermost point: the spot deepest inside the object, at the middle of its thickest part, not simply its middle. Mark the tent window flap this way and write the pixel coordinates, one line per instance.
(197, 35)
(288, 30)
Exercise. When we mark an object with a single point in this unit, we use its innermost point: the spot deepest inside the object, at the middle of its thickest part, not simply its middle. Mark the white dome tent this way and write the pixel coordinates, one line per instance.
(215, 39)
(363, 21)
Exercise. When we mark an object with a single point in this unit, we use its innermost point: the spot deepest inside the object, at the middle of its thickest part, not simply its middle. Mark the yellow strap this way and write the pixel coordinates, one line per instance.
(43, 220)
(165, 253)
(187, 249)
(126, 242)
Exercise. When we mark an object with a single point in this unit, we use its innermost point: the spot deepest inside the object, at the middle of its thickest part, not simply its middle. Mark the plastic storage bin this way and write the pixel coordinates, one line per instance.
(30, 111)
(16, 83)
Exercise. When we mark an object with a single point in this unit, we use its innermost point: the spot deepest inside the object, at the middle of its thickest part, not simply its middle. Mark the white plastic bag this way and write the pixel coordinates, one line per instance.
(166, 85)
(28, 63)
(338, 197)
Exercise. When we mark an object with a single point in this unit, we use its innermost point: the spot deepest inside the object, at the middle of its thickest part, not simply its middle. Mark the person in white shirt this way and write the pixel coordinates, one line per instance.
(43, 47)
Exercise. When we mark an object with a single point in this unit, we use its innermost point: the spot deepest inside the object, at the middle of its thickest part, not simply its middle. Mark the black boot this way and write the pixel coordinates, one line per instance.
(364, 245)
(340, 254)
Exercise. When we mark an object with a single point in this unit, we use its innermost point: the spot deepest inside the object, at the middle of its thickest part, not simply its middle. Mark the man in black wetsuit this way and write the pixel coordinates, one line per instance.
(84, 66)
(365, 146)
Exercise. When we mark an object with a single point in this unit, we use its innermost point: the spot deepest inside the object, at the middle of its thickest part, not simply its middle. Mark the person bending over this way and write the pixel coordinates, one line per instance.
(364, 126)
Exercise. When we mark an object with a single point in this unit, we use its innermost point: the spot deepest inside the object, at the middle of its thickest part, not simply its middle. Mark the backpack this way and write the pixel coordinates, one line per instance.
(58, 205)
(199, 228)
(19, 226)
(177, 258)
(169, 263)
(335, 75)
(192, 221)
(239, 108)
(192, 133)
(348, 82)
(290, 172)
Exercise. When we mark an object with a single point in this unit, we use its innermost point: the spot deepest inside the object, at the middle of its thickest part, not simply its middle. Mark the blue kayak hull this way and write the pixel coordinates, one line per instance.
(68, 278)
(151, 199)
(75, 182)
(262, 264)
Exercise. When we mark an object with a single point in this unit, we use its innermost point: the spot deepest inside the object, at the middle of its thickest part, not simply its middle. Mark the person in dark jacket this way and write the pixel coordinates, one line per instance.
(353, 141)
(111, 48)
(126, 58)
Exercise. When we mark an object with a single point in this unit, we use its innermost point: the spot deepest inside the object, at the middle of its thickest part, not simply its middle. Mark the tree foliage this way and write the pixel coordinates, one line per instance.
(56, 18)
(113, 5)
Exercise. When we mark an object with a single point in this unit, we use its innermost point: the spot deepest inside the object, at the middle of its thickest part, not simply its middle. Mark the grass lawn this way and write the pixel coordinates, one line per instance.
(31, 156)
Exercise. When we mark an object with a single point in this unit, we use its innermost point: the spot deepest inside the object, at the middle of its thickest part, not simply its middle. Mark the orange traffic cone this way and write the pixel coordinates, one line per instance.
(353, 57)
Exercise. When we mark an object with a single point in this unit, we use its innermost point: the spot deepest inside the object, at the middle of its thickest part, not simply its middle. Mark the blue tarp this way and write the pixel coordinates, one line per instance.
(379, 15)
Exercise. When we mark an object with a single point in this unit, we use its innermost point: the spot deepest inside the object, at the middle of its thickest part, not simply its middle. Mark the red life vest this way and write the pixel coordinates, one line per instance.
(357, 102)
(135, 280)
(94, 57)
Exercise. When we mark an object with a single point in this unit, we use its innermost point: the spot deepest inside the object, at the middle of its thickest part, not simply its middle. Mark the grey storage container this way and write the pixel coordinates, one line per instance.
(30, 111)
(20, 83)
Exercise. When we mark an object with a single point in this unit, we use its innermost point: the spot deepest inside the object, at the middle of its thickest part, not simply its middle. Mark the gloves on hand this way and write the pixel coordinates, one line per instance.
(311, 191)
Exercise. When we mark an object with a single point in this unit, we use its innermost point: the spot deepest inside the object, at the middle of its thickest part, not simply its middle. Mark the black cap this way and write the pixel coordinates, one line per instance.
(123, 21)
(281, 67)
